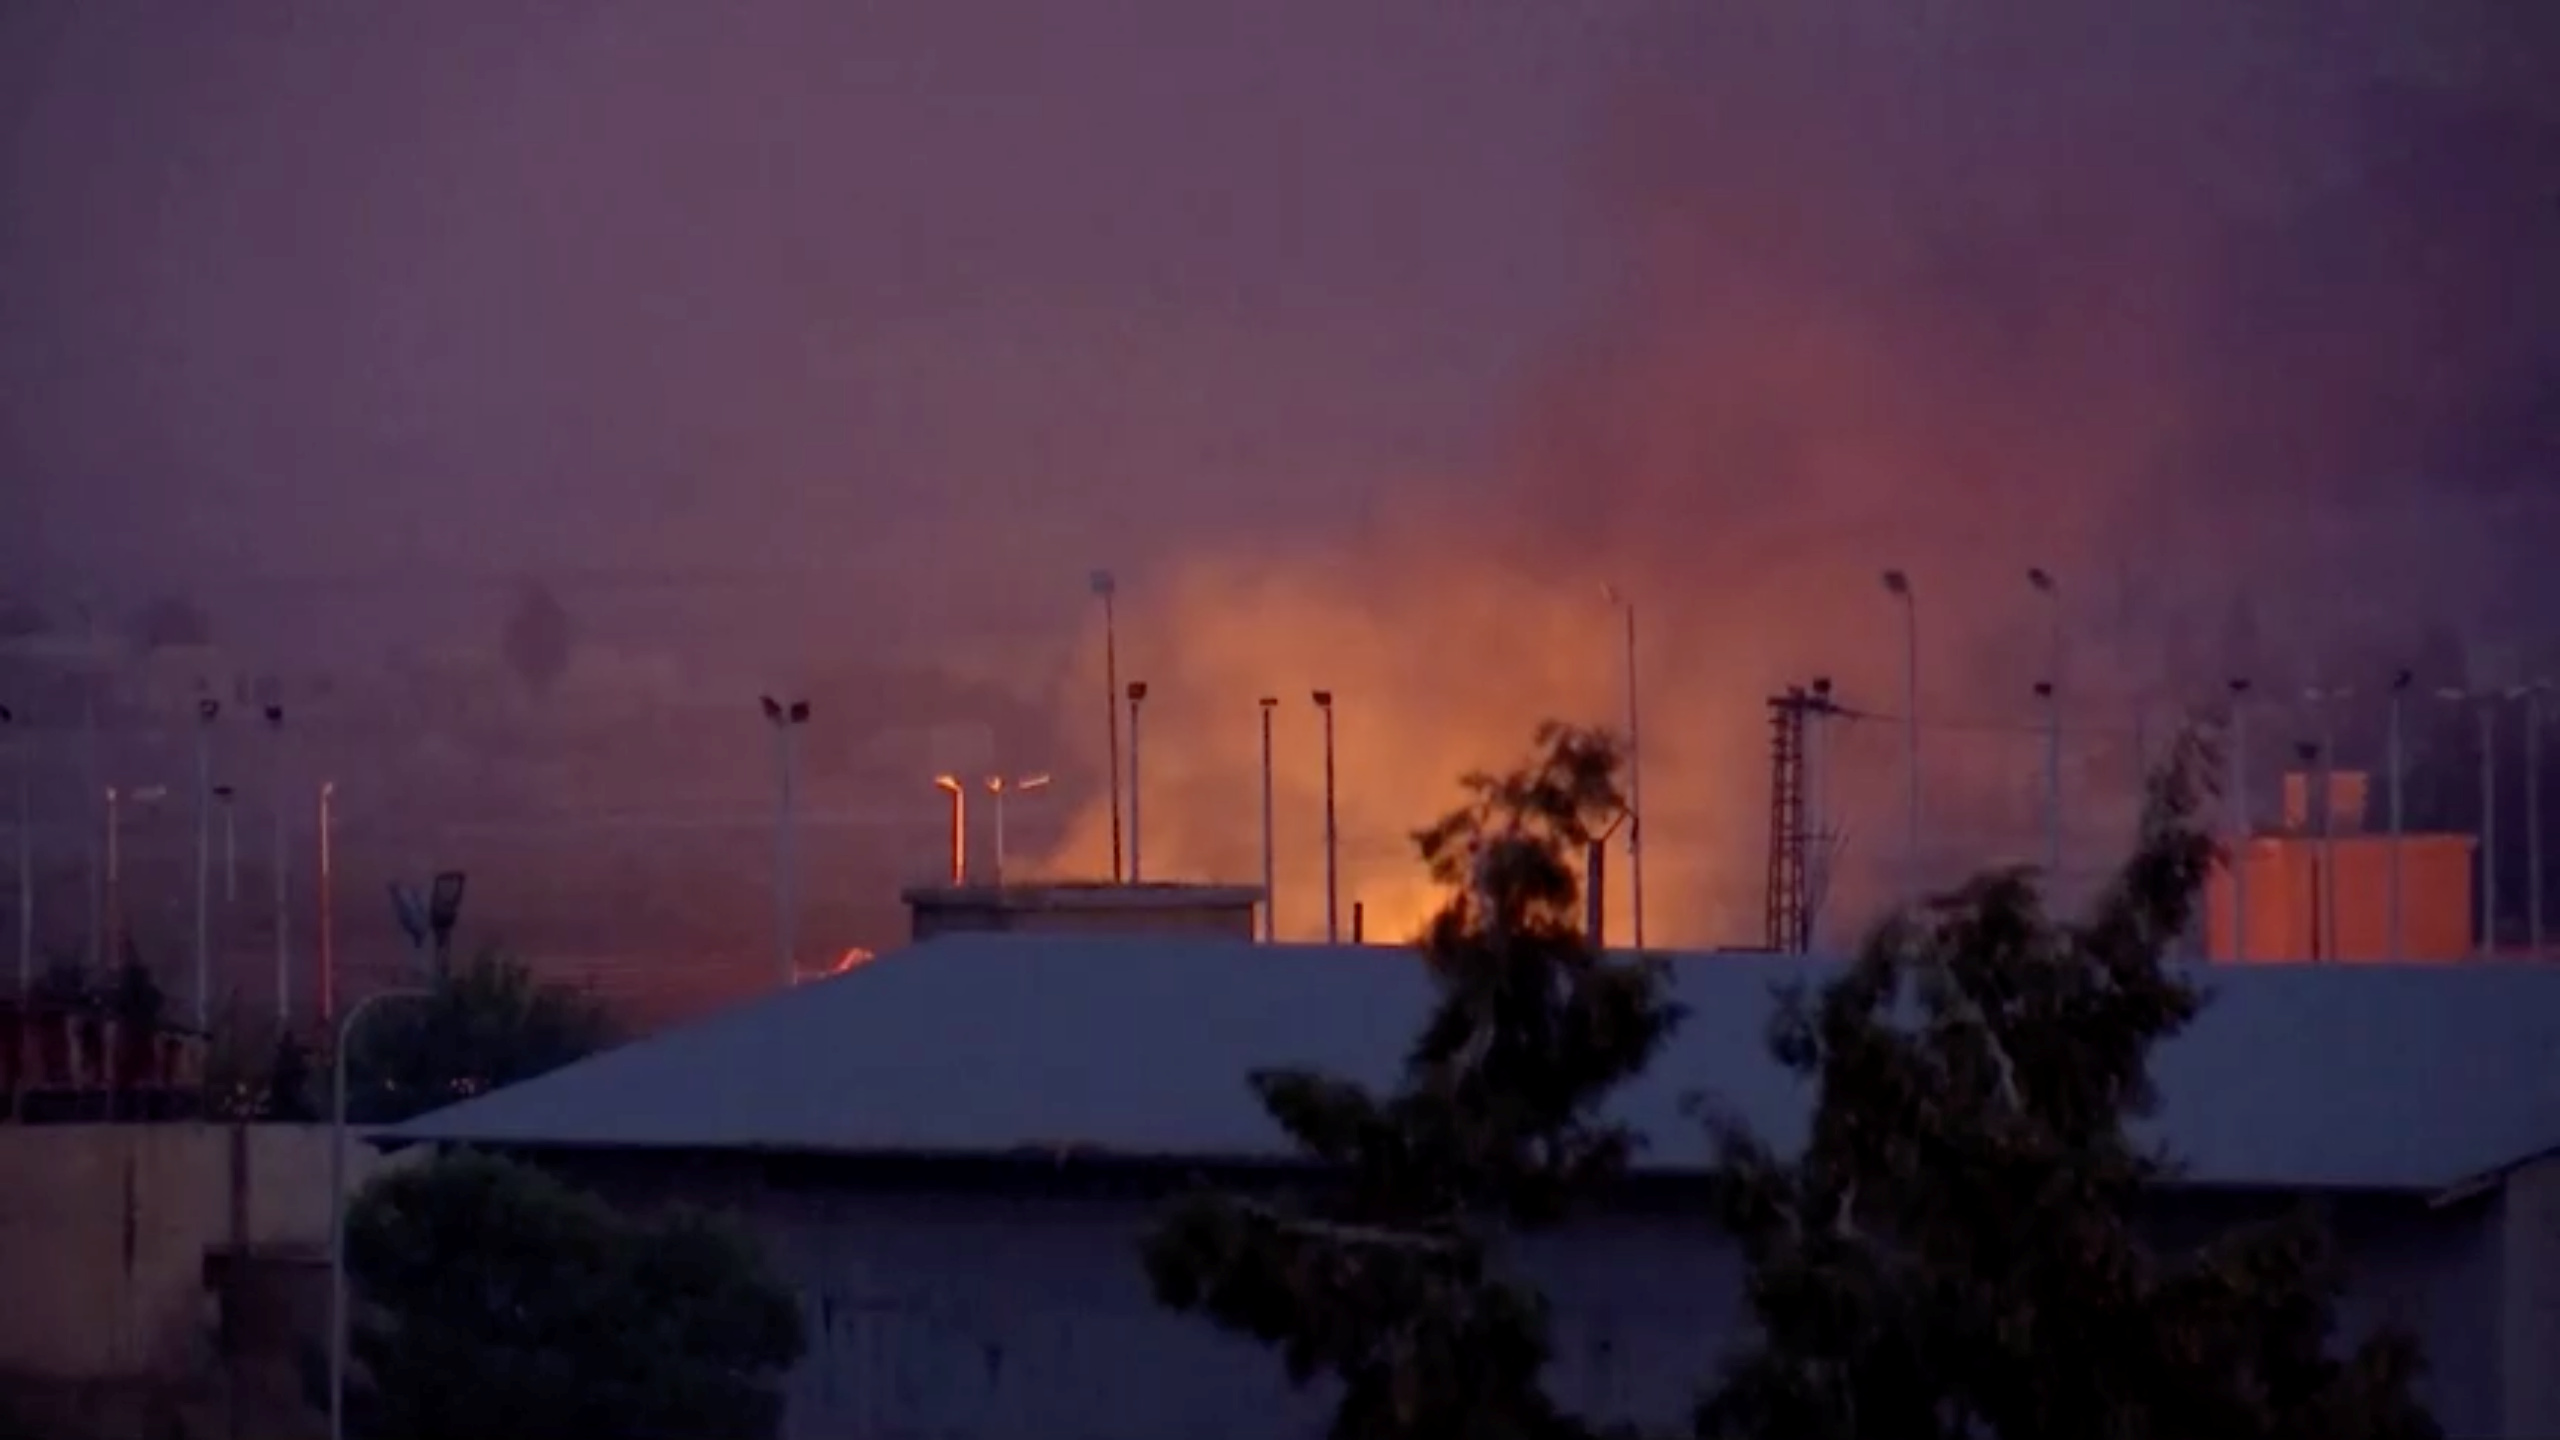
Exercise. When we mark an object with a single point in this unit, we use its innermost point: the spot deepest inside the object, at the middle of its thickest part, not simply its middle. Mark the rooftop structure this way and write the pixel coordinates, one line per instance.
(1084, 908)
(2411, 1079)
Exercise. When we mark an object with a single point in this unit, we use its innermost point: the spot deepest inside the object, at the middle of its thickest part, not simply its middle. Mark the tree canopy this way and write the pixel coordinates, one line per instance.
(1391, 1282)
(496, 1300)
(1954, 1256)
(482, 1025)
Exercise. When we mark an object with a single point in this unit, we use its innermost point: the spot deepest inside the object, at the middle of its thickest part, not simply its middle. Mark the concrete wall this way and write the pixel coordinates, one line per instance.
(104, 1231)
(991, 1316)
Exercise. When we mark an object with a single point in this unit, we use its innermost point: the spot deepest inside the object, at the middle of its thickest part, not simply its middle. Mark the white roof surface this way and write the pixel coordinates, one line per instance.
(2349, 1077)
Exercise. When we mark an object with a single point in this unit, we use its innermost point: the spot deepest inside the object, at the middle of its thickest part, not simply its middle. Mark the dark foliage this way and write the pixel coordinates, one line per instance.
(498, 1301)
(539, 637)
(1393, 1286)
(1953, 1256)
(482, 1025)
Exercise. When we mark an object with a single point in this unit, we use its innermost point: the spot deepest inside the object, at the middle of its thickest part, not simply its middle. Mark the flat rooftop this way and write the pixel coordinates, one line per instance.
(1100, 895)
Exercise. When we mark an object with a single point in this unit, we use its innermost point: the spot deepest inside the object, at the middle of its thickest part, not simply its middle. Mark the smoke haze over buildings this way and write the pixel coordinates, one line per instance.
(794, 340)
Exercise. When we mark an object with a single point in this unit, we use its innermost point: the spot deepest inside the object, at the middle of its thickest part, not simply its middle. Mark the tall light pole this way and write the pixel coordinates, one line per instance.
(114, 937)
(786, 718)
(1106, 588)
(2050, 691)
(223, 796)
(207, 711)
(2315, 774)
(2488, 718)
(338, 1205)
(950, 785)
(2328, 700)
(1898, 585)
(1137, 698)
(1635, 774)
(1270, 864)
(26, 852)
(1332, 846)
(2397, 762)
(325, 884)
(2533, 694)
(282, 878)
(998, 786)
(2243, 821)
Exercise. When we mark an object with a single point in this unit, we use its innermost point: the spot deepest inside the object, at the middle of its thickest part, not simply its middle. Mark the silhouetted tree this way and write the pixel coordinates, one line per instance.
(539, 637)
(1953, 1255)
(498, 1301)
(483, 1025)
(1389, 1284)
(171, 622)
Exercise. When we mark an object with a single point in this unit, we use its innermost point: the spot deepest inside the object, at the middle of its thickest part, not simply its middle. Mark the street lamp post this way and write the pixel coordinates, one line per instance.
(1332, 846)
(786, 718)
(1105, 588)
(1270, 864)
(1137, 698)
(998, 786)
(324, 908)
(282, 878)
(2050, 691)
(2328, 700)
(207, 711)
(338, 1204)
(26, 852)
(950, 785)
(1635, 775)
(2242, 821)
(2397, 762)
(2533, 694)
(1898, 585)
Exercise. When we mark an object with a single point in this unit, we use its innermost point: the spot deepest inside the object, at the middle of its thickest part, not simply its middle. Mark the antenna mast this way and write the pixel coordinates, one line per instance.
(1788, 893)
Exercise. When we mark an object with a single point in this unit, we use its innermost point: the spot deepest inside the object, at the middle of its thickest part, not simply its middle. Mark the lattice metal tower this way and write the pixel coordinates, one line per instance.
(1788, 894)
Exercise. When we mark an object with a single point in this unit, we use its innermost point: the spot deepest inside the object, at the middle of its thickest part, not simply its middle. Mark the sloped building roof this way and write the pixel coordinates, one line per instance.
(2298, 1077)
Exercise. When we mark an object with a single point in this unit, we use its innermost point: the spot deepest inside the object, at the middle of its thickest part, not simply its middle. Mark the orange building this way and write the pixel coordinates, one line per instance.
(2289, 875)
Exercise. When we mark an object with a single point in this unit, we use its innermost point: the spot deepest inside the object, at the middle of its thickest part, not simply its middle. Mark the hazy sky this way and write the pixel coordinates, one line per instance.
(309, 287)
(1366, 336)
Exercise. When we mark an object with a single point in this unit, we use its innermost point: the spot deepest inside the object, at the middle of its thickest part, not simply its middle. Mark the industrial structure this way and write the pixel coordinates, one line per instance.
(1085, 908)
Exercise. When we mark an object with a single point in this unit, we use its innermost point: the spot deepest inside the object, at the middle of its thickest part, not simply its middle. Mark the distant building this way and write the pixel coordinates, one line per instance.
(2325, 869)
(952, 1150)
(1084, 908)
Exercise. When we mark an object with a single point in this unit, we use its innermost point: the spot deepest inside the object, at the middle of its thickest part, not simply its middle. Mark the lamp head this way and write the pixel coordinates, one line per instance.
(1269, 702)
(2401, 680)
(1137, 691)
(1032, 782)
(772, 708)
(2239, 685)
(222, 793)
(2044, 689)
(1323, 699)
(10, 717)
(947, 784)
(208, 708)
(275, 714)
(799, 712)
(2040, 578)
(1103, 583)
(1897, 583)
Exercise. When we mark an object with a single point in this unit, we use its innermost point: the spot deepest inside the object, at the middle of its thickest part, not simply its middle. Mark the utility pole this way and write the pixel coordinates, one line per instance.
(1105, 588)
(786, 718)
(1270, 864)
